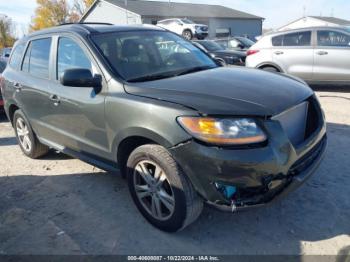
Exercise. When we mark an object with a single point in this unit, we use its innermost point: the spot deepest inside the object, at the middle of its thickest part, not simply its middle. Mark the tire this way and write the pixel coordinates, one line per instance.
(26, 138)
(185, 205)
(270, 69)
(187, 34)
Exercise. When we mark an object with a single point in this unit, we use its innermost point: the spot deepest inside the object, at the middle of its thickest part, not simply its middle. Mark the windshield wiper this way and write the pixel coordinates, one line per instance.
(195, 69)
(168, 74)
(149, 78)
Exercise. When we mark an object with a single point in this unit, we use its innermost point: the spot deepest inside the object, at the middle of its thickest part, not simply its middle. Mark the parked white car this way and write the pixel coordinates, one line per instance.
(185, 27)
(318, 55)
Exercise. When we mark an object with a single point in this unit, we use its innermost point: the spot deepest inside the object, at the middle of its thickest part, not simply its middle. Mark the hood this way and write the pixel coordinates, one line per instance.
(229, 53)
(227, 91)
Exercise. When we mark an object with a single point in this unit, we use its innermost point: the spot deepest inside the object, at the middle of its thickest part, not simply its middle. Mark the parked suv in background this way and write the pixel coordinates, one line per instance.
(229, 57)
(5, 53)
(317, 55)
(185, 27)
(235, 43)
(183, 130)
(2, 68)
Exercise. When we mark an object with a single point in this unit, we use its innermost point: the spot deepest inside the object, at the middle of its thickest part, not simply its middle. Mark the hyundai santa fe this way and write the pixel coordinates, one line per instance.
(181, 129)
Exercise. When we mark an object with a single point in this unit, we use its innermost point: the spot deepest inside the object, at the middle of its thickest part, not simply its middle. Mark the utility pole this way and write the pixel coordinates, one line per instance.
(126, 11)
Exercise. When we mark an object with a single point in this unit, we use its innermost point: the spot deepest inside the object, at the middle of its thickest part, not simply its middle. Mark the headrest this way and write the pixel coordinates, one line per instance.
(131, 48)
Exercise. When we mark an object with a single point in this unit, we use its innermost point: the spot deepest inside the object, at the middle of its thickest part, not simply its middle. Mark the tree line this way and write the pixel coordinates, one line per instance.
(48, 13)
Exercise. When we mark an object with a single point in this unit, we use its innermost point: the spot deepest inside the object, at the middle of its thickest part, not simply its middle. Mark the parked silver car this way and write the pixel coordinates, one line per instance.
(318, 55)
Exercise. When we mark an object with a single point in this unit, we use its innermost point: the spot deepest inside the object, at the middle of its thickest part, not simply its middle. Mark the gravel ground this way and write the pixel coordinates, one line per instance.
(60, 205)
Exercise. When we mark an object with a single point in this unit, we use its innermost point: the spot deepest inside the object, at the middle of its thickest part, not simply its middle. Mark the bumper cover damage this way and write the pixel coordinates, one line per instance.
(259, 175)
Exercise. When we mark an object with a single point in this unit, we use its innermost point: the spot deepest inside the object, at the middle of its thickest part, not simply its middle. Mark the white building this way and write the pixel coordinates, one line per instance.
(311, 21)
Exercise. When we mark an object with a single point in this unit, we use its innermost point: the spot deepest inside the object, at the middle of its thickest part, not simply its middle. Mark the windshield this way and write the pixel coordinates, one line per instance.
(211, 46)
(149, 54)
(187, 21)
(245, 41)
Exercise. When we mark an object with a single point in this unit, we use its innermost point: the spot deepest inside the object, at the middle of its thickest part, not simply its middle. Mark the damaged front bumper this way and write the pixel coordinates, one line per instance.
(261, 175)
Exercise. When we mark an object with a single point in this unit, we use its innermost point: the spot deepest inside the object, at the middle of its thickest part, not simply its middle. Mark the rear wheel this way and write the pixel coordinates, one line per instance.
(26, 138)
(270, 69)
(160, 190)
(187, 34)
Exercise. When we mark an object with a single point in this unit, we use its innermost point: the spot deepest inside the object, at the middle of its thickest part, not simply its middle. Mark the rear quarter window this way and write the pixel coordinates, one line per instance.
(17, 55)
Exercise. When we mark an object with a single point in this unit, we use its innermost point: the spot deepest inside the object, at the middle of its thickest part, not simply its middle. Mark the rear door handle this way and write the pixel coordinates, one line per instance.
(17, 86)
(322, 53)
(55, 99)
(279, 53)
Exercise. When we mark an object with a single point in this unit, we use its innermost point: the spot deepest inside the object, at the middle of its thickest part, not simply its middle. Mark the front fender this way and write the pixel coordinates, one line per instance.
(138, 132)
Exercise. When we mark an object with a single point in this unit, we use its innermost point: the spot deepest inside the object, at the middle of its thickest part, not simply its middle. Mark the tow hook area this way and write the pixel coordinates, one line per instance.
(228, 192)
(238, 198)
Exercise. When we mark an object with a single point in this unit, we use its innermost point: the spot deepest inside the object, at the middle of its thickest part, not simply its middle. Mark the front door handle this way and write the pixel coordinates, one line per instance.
(279, 53)
(55, 99)
(322, 53)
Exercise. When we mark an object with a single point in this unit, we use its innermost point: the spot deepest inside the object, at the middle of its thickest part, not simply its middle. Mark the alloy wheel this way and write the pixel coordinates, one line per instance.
(23, 134)
(187, 35)
(153, 190)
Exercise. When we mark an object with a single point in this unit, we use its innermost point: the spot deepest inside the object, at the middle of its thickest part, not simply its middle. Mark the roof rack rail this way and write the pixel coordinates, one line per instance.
(86, 23)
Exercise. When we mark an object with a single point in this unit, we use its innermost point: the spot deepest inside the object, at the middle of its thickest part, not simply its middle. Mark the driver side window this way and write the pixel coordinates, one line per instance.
(70, 55)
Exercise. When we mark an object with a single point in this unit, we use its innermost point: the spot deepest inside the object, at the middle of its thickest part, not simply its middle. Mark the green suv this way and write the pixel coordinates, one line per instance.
(183, 130)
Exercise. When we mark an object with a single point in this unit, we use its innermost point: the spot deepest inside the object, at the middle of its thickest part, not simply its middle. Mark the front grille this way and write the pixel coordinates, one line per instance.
(314, 117)
(204, 28)
(301, 121)
(308, 159)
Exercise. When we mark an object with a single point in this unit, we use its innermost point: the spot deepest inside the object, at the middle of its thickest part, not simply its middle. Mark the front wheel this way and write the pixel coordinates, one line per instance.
(160, 190)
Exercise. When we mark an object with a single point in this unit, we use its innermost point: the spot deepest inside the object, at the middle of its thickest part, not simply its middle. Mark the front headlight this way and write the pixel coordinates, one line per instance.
(197, 27)
(225, 131)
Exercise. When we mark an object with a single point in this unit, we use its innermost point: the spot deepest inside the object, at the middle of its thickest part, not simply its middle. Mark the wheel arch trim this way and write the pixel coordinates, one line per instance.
(264, 64)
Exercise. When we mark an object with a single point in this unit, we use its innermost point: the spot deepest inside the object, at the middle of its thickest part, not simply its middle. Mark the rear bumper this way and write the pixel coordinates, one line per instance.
(261, 175)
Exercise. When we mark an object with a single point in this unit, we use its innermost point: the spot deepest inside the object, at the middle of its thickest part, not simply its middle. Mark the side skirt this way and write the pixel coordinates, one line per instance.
(99, 162)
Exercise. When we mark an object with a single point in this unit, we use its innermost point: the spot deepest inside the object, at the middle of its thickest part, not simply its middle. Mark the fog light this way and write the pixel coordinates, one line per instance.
(227, 191)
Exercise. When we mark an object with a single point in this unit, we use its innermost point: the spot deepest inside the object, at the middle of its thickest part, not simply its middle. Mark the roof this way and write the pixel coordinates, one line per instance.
(91, 28)
(164, 9)
(310, 28)
(333, 20)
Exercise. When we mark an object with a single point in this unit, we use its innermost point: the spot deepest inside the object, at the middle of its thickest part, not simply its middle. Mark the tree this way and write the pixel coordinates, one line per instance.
(7, 38)
(54, 12)
(81, 6)
(50, 13)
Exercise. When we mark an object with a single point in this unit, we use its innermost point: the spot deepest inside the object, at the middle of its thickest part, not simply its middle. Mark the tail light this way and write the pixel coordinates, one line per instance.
(252, 52)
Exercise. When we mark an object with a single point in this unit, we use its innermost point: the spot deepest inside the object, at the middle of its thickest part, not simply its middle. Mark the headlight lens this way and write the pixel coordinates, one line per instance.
(226, 131)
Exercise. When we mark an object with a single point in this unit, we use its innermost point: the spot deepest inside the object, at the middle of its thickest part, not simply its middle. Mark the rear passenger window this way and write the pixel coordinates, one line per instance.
(293, 39)
(70, 55)
(17, 56)
(332, 38)
(37, 58)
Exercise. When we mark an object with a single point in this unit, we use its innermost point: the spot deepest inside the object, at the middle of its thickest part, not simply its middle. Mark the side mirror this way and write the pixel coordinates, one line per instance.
(79, 77)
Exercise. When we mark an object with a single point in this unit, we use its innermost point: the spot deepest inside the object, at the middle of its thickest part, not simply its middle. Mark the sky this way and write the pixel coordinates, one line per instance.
(276, 12)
